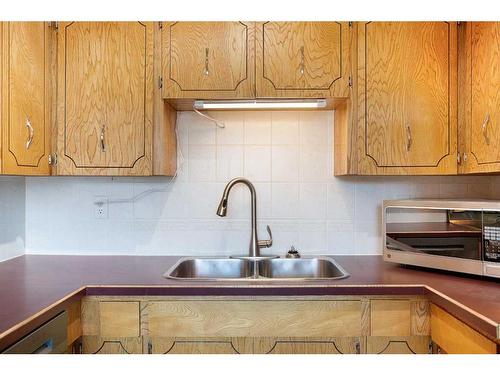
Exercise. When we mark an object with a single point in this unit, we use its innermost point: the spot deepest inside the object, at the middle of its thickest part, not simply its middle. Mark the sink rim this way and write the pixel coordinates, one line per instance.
(258, 277)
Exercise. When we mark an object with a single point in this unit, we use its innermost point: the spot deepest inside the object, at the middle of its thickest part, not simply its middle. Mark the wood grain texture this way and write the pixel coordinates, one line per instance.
(119, 319)
(254, 318)
(398, 345)
(26, 97)
(111, 345)
(282, 325)
(456, 337)
(420, 318)
(165, 119)
(201, 345)
(208, 60)
(74, 322)
(306, 345)
(105, 72)
(390, 317)
(407, 77)
(480, 96)
(302, 59)
(90, 319)
(344, 139)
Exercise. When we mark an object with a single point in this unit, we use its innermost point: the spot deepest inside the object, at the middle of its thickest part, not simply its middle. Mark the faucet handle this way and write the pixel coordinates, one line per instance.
(269, 242)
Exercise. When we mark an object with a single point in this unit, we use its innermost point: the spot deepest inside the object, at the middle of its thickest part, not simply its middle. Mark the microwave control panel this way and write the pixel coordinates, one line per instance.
(491, 243)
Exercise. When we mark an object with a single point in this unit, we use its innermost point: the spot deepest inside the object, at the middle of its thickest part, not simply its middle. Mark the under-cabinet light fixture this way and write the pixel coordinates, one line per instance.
(259, 104)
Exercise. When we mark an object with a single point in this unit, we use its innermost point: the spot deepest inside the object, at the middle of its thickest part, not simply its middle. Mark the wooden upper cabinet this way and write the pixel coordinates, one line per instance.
(105, 98)
(302, 59)
(26, 97)
(407, 93)
(480, 96)
(208, 60)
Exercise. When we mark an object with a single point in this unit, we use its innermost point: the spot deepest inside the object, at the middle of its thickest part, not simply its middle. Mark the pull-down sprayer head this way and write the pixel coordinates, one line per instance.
(222, 209)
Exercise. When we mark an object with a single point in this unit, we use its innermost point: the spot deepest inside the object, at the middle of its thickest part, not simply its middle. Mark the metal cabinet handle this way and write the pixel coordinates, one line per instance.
(485, 128)
(206, 61)
(31, 133)
(408, 138)
(101, 138)
(302, 60)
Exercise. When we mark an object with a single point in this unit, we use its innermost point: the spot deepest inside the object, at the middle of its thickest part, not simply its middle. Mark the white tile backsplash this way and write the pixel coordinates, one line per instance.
(288, 156)
(12, 217)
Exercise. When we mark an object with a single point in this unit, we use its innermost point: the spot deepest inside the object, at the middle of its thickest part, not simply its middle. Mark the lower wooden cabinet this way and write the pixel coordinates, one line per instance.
(258, 325)
(452, 336)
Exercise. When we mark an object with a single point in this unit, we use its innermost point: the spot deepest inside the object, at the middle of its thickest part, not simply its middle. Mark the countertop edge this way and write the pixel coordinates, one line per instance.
(482, 324)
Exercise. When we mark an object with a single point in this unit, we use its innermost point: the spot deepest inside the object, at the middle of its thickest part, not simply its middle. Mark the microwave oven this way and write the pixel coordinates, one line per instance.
(453, 235)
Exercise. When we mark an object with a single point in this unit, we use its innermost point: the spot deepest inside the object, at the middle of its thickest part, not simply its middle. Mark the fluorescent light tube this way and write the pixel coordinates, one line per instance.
(259, 104)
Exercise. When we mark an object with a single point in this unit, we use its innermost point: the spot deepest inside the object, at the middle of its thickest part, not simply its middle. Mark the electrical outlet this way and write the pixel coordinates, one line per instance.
(101, 207)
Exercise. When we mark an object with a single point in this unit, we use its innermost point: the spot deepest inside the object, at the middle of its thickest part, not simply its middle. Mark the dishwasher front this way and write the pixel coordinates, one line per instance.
(49, 338)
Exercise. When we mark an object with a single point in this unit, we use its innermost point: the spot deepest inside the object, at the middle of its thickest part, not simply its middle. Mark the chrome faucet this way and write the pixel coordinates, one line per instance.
(255, 244)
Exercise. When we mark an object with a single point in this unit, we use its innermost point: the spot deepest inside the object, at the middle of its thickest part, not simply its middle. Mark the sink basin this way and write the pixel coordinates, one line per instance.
(314, 268)
(301, 268)
(211, 268)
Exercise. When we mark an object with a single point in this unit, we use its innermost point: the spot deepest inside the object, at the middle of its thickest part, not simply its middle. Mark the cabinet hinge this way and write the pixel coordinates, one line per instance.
(350, 81)
(160, 25)
(430, 347)
(160, 82)
(54, 25)
(358, 347)
(52, 159)
(350, 23)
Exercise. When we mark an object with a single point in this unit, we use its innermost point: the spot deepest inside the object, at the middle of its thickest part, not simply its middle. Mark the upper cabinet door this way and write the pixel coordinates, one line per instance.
(26, 97)
(105, 98)
(208, 60)
(480, 102)
(407, 92)
(302, 59)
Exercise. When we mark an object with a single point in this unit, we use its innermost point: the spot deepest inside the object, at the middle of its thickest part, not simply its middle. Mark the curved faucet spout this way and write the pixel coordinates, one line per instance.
(254, 248)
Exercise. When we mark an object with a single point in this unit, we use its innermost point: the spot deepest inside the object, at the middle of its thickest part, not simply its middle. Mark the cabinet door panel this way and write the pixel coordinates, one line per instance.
(302, 59)
(26, 97)
(208, 59)
(108, 345)
(407, 96)
(105, 98)
(307, 345)
(200, 345)
(397, 345)
(482, 96)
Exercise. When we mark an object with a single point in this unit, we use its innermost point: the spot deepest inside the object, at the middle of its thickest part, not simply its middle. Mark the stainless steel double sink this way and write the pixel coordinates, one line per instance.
(220, 269)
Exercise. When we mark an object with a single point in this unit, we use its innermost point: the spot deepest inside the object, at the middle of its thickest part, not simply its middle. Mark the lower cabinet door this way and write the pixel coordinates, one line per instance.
(200, 345)
(307, 345)
(109, 345)
(397, 345)
(257, 345)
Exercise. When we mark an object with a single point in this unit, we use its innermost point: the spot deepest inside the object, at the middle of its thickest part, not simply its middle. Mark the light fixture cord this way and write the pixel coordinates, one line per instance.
(217, 122)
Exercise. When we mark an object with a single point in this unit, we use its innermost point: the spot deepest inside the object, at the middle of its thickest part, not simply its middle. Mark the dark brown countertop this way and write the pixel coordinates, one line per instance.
(35, 287)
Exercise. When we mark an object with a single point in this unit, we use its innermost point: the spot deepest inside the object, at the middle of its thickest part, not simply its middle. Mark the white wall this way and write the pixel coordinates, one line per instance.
(12, 210)
(288, 155)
